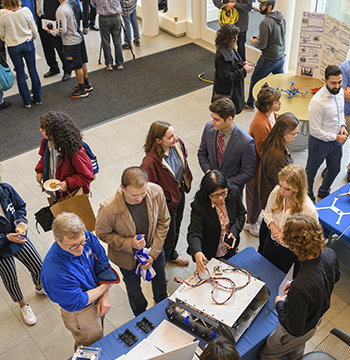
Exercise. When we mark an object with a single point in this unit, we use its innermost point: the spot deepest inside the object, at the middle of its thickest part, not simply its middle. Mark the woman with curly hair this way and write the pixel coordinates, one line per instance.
(230, 70)
(166, 165)
(63, 155)
(288, 198)
(268, 101)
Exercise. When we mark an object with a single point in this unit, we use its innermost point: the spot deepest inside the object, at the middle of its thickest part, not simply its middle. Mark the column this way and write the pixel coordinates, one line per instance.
(150, 22)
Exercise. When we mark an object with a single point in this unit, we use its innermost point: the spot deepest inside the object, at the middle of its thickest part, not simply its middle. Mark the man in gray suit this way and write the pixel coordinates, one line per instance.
(225, 146)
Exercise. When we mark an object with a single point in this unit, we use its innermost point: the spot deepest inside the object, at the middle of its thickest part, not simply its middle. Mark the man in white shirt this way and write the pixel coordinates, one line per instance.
(327, 131)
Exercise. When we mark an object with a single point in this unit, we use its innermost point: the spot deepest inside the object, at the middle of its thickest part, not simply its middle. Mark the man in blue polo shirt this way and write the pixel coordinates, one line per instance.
(69, 280)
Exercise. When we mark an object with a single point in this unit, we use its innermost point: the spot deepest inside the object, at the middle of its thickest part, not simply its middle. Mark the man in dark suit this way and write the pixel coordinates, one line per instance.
(225, 146)
(47, 11)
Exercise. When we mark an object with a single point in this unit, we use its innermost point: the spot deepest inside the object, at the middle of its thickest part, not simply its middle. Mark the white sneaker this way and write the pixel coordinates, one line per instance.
(40, 292)
(252, 228)
(28, 315)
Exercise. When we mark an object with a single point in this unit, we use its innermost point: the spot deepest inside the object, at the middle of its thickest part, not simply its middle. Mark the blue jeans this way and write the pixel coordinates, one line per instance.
(262, 69)
(137, 300)
(242, 37)
(132, 18)
(111, 25)
(26, 50)
(319, 150)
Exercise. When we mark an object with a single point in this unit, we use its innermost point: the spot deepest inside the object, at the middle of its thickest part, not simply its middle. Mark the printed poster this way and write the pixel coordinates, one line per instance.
(324, 41)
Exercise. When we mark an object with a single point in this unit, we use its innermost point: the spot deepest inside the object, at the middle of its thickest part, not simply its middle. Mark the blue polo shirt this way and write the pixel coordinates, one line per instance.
(66, 278)
(345, 68)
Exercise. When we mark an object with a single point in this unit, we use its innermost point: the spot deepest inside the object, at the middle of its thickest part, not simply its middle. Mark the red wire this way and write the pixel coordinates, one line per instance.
(215, 281)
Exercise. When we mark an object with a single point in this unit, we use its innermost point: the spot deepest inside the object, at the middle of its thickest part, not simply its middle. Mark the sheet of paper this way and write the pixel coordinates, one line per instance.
(144, 350)
(288, 277)
(168, 337)
(123, 357)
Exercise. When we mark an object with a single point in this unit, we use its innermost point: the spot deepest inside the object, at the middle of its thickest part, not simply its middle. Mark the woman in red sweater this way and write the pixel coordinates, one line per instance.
(166, 165)
(268, 101)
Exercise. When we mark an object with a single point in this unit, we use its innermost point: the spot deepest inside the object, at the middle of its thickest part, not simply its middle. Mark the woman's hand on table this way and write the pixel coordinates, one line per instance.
(200, 258)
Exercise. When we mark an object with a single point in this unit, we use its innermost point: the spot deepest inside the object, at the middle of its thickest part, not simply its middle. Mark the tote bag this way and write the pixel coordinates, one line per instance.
(6, 76)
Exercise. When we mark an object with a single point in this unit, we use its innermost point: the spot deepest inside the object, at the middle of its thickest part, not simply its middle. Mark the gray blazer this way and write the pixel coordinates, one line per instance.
(238, 162)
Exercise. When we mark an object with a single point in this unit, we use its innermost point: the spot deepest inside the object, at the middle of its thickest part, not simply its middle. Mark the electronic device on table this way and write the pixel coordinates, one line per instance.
(227, 298)
(87, 353)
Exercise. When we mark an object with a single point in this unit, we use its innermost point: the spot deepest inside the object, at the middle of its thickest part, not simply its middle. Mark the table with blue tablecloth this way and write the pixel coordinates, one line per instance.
(328, 218)
(250, 342)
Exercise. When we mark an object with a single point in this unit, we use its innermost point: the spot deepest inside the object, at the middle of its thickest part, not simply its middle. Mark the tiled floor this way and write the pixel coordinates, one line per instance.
(117, 147)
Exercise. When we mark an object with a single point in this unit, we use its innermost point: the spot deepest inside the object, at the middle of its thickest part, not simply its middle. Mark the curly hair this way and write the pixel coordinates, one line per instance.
(11, 4)
(275, 144)
(60, 128)
(156, 131)
(304, 236)
(295, 176)
(266, 97)
(225, 35)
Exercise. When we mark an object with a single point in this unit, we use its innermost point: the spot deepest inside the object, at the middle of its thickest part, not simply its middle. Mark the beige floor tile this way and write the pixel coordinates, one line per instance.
(25, 350)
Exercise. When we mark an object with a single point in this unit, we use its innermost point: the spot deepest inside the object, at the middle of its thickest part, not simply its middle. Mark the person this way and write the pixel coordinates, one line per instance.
(243, 7)
(70, 281)
(271, 41)
(268, 101)
(288, 198)
(47, 11)
(327, 131)
(130, 17)
(89, 17)
(225, 146)
(16, 244)
(68, 17)
(219, 348)
(216, 211)
(274, 157)
(230, 70)
(18, 31)
(110, 22)
(345, 68)
(133, 218)
(166, 165)
(308, 296)
(62, 155)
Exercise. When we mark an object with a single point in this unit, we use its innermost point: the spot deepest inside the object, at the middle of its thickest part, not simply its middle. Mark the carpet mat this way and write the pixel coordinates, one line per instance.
(144, 82)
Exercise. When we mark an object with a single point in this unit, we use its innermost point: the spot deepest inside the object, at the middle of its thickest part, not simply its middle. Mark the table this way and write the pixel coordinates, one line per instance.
(298, 104)
(328, 218)
(247, 346)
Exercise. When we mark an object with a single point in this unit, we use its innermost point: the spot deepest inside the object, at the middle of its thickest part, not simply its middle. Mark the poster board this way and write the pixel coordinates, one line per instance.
(324, 41)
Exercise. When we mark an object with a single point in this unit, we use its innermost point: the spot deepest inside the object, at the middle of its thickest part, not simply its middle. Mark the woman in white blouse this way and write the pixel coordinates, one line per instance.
(288, 198)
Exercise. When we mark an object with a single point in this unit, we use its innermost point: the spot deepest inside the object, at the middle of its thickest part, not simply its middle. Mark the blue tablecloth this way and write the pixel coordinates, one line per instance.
(328, 217)
(250, 342)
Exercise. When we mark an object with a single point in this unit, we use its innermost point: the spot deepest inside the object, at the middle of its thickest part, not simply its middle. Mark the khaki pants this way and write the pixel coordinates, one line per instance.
(280, 342)
(85, 325)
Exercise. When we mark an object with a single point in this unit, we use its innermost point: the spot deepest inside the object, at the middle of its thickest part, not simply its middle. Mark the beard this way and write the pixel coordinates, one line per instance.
(333, 91)
(263, 12)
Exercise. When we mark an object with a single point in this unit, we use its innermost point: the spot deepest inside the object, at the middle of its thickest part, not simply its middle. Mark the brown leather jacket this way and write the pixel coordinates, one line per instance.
(115, 226)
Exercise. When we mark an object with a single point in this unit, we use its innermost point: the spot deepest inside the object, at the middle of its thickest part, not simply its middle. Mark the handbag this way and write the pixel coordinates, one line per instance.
(79, 205)
(45, 218)
(105, 273)
(6, 76)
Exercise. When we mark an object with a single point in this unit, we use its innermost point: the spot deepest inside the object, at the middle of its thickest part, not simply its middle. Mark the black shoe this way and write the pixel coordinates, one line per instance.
(348, 176)
(88, 88)
(323, 173)
(76, 94)
(51, 73)
(322, 196)
(6, 104)
(94, 27)
(66, 76)
(85, 31)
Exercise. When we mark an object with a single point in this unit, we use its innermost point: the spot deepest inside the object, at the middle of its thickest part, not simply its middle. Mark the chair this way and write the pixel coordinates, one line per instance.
(336, 346)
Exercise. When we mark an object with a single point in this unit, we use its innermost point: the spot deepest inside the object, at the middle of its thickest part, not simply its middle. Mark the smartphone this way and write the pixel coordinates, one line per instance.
(254, 37)
(229, 240)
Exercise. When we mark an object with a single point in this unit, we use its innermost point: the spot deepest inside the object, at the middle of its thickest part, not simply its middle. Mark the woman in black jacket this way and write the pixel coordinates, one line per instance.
(217, 210)
(230, 70)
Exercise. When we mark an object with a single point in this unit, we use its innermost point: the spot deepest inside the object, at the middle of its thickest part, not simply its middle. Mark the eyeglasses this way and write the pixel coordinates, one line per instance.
(295, 134)
(216, 196)
(76, 247)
